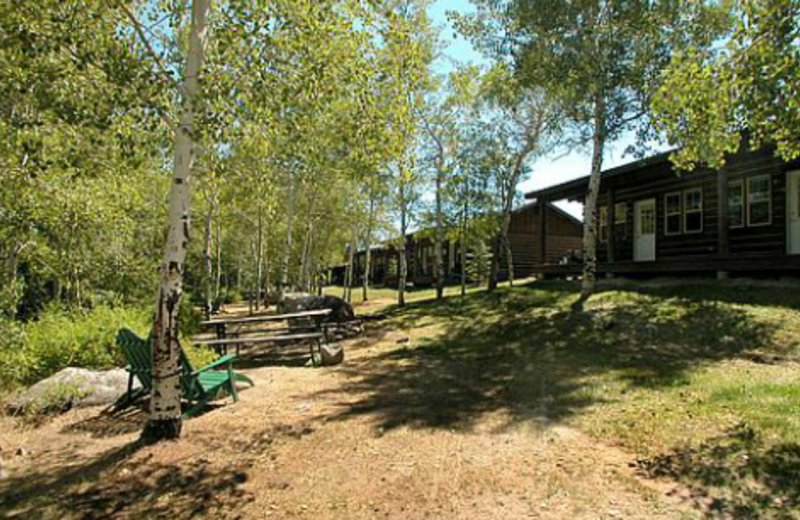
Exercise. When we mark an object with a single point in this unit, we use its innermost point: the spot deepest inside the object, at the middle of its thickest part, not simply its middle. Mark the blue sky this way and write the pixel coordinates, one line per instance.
(547, 171)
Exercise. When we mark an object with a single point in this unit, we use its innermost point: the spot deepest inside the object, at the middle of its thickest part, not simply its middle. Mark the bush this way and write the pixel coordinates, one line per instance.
(59, 338)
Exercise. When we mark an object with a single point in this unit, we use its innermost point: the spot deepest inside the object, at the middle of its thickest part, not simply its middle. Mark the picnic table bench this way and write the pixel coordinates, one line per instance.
(221, 324)
(314, 332)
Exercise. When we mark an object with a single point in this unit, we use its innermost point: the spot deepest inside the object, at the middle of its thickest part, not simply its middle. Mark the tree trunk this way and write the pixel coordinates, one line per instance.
(259, 255)
(439, 257)
(164, 421)
(506, 243)
(590, 207)
(494, 267)
(267, 279)
(509, 259)
(464, 230)
(251, 299)
(368, 247)
(403, 260)
(287, 254)
(208, 272)
(305, 260)
(352, 263)
(218, 257)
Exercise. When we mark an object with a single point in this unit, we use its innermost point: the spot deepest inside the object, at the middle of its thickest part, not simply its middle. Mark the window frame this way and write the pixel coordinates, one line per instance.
(679, 213)
(742, 204)
(602, 224)
(768, 178)
(685, 213)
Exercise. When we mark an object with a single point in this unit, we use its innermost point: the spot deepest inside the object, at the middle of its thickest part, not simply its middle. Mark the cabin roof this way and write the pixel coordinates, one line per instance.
(576, 188)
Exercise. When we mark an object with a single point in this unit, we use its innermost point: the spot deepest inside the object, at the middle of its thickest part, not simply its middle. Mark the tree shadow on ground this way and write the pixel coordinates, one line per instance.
(736, 475)
(112, 424)
(128, 481)
(274, 356)
(524, 354)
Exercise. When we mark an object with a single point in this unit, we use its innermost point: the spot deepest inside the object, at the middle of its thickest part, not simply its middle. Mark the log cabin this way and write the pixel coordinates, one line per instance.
(652, 219)
(525, 232)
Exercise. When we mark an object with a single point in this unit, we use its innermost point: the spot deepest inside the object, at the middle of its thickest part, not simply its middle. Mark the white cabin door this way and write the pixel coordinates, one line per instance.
(793, 207)
(644, 230)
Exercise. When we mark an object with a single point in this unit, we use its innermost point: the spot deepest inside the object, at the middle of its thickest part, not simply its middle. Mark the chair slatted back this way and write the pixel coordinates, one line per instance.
(138, 355)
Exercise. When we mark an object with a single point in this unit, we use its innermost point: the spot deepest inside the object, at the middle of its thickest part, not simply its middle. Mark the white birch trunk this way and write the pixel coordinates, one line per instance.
(287, 254)
(208, 272)
(439, 256)
(368, 246)
(164, 421)
(218, 256)
(403, 260)
(590, 206)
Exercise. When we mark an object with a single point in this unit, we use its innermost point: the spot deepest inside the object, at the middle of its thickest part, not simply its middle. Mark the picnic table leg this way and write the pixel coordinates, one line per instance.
(318, 343)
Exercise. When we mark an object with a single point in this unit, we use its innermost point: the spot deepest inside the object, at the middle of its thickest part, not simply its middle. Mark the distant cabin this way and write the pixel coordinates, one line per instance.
(744, 218)
(528, 225)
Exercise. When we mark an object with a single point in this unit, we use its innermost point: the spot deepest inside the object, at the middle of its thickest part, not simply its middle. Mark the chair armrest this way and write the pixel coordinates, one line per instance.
(224, 360)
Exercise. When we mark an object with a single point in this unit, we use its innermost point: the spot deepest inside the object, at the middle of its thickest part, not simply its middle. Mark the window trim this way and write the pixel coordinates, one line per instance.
(768, 177)
(741, 184)
(667, 232)
(685, 213)
(602, 223)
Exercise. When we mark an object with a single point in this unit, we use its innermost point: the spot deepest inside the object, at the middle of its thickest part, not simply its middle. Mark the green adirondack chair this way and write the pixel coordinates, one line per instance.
(198, 387)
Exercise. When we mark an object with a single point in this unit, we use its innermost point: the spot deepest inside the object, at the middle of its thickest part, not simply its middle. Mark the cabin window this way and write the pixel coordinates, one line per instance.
(672, 214)
(620, 213)
(736, 204)
(603, 223)
(693, 211)
(759, 201)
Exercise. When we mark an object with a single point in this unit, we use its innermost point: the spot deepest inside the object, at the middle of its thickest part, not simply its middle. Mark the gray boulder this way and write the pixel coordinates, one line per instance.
(331, 354)
(74, 387)
(298, 302)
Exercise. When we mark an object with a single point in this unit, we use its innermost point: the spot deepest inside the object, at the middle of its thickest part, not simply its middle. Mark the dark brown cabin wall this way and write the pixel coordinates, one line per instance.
(769, 239)
(655, 183)
(690, 244)
(754, 248)
(564, 234)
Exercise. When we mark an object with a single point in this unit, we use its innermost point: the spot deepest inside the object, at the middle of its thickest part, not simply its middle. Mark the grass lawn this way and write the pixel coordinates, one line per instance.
(415, 295)
(700, 379)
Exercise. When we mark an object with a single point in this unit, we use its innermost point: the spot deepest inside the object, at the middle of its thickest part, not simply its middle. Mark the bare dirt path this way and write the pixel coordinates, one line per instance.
(315, 443)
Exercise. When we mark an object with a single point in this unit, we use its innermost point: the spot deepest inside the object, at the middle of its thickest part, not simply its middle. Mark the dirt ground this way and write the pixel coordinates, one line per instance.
(315, 443)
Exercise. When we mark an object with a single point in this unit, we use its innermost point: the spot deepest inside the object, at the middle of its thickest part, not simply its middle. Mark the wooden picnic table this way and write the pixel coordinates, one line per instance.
(314, 333)
(221, 324)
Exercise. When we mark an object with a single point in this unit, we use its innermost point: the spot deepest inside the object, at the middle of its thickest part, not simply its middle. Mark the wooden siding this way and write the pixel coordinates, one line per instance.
(564, 234)
(734, 248)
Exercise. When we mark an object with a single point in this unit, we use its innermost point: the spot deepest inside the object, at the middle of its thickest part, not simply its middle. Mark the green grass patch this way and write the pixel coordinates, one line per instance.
(662, 370)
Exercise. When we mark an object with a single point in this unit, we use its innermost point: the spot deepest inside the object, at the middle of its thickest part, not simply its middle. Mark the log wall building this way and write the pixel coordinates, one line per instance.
(744, 218)
(526, 229)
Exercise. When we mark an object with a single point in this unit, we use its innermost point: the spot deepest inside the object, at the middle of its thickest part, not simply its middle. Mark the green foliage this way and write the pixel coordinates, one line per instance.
(750, 84)
(479, 261)
(199, 356)
(59, 338)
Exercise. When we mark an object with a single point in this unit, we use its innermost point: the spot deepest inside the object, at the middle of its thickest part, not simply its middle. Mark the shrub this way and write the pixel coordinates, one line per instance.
(60, 338)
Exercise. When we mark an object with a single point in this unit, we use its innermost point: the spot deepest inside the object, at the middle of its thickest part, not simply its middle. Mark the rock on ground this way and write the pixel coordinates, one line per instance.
(75, 387)
(331, 354)
(299, 302)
